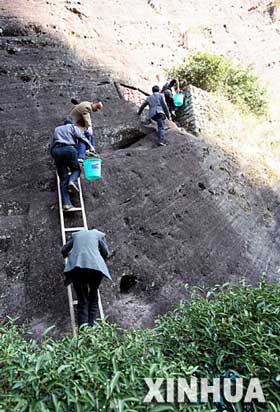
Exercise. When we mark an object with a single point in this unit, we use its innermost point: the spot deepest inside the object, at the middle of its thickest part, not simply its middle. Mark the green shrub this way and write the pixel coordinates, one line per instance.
(232, 330)
(217, 74)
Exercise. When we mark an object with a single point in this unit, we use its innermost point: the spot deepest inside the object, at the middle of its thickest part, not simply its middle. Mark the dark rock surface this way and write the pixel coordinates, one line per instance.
(174, 215)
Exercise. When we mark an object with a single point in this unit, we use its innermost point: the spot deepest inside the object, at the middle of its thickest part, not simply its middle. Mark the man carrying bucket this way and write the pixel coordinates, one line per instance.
(64, 152)
(158, 111)
(168, 94)
(80, 116)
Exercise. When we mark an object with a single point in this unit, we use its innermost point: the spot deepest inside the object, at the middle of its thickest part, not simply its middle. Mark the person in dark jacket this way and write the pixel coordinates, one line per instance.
(158, 111)
(168, 94)
(64, 152)
(85, 268)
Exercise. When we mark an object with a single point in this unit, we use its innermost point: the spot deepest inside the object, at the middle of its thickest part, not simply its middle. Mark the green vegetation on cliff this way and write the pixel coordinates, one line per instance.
(215, 73)
(232, 330)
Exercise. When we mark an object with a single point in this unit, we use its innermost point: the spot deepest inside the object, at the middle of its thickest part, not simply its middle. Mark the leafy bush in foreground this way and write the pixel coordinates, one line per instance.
(235, 329)
(217, 74)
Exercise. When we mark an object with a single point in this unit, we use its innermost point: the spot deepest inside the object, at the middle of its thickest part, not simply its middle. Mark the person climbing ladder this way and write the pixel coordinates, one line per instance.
(86, 268)
(64, 151)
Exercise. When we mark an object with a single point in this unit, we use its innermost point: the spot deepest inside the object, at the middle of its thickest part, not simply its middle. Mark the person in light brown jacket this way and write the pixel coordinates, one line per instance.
(80, 116)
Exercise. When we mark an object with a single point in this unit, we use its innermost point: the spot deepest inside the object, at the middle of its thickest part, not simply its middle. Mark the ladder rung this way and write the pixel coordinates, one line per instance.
(73, 229)
(74, 209)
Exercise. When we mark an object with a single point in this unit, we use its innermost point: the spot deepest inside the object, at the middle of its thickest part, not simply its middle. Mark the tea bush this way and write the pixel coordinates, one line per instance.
(215, 73)
(231, 330)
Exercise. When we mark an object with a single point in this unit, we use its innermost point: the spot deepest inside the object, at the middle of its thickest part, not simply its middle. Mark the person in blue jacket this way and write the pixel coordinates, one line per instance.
(158, 111)
(86, 252)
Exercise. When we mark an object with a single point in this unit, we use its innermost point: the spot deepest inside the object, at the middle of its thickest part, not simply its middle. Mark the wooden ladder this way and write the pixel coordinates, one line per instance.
(65, 230)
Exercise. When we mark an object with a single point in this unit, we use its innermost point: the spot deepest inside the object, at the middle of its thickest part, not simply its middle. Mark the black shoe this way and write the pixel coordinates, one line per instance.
(68, 207)
(72, 187)
(162, 144)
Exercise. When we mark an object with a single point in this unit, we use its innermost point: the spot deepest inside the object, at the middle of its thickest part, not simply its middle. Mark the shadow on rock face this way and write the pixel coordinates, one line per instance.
(127, 282)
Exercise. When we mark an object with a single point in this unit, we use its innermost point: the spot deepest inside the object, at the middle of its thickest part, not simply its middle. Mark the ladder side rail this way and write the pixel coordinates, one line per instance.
(62, 226)
(69, 289)
(82, 204)
(101, 311)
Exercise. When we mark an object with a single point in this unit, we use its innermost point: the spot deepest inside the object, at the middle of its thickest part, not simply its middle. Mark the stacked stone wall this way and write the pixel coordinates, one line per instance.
(205, 114)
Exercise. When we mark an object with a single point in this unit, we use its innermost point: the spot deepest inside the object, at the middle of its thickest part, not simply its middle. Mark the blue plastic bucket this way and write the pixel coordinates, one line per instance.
(179, 99)
(92, 168)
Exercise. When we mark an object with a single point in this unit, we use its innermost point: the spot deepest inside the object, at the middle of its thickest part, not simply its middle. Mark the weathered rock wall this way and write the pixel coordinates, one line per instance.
(183, 214)
(38, 77)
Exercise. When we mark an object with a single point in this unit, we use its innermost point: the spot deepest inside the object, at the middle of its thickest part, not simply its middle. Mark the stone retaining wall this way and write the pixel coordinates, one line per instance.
(205, 114)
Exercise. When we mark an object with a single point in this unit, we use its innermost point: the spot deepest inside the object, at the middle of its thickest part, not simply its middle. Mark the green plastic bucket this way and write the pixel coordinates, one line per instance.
(92, 168)
(179, 99)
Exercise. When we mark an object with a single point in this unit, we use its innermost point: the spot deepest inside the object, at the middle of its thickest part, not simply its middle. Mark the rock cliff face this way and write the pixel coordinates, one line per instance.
(183, 214)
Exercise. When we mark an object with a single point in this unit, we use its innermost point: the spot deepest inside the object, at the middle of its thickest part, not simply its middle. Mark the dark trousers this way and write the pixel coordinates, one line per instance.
(86, 283)
(159, 118)
(82, 147)
(65, 158)
(171, 107)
